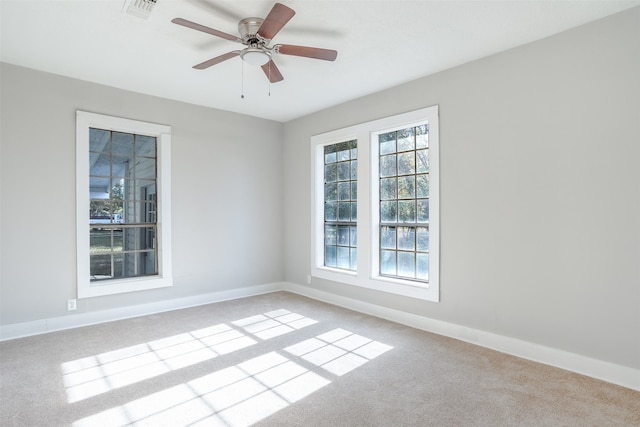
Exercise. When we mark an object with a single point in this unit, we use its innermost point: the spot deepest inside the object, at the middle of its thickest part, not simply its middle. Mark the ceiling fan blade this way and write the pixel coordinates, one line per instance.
(275, 20)
(307, 52)
(216, 60)
(204, 29)
(272, 72)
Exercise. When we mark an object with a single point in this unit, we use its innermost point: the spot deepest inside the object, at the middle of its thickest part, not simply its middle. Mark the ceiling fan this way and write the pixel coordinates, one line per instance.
(256, 34)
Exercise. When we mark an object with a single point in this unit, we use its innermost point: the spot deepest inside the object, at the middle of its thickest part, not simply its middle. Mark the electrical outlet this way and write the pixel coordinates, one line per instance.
(308, 279)
(71, 304)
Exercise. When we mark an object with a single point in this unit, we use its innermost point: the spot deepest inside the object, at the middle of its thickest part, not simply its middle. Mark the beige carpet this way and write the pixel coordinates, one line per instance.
(285, 360)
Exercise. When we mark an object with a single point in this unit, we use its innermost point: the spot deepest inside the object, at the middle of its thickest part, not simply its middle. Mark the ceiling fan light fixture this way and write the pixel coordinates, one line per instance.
(255, 56)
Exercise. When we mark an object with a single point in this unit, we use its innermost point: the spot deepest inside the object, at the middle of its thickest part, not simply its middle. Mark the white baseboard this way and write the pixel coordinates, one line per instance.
(20, 330)
(606, 371)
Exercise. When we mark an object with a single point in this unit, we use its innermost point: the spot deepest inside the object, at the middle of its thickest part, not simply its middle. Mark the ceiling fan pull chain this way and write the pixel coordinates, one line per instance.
(269, 78)
(242, 78)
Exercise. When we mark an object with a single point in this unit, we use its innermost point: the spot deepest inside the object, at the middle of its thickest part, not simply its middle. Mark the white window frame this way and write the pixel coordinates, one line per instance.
(367, 274)
(162, 133)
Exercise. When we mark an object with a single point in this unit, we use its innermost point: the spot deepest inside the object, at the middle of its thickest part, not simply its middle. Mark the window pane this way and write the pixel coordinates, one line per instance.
(344, 191)
(387, 143)
(100, 211)
(329, 157)
(330, 234)
(343, 154)
(388, 237)
(354, 259)
(388, 189)
(148, 263)
(331, 211)
(344, 212)
(150, 210)
(422, 238)
(130, 241)
(344, 171)
(100, 267)
(422, 136)
(354, 170)
(118, 188)
(388, 212)
(118, 240)
(422, 266)
(330, 256)
(406, 238)
(406, 264)
(132, 264)
(99, 140)
(407, 187)
(388, 262)
(122, 144)
(121, 167)
(99, 241)
(331, 172)
(422, 183)
(145, 168)
(388, 165)
(343, 235)
(128, 212)
(406, 139)
(144, 188)
(343, 259)
(146, 146)
(407, 163)
(331, 192)
(119, 266)
(407, 211)
(353, 236)
(423, 210)
(354, 211)
(422, 160)
(100, 164)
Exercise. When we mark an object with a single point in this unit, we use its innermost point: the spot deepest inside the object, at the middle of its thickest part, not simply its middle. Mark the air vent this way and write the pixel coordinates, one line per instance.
(140, 8)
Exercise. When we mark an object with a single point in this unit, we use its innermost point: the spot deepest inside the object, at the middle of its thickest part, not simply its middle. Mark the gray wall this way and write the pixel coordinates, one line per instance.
(226, 200)
(539, 195)
(540, 185)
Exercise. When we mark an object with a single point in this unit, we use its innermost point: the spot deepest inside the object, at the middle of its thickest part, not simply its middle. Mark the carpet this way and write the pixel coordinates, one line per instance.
(284, 360)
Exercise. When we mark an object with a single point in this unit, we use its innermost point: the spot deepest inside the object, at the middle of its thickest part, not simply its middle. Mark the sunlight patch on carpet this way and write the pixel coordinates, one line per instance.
(236, 396)
(338, 351)
(101, 373)
(274, 323)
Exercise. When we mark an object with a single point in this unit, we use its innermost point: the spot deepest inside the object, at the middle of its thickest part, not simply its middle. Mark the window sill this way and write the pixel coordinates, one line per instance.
(120, 286)
(382, 284)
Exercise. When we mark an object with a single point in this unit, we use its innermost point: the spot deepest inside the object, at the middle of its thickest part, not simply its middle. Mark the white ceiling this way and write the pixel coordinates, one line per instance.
(380, 44)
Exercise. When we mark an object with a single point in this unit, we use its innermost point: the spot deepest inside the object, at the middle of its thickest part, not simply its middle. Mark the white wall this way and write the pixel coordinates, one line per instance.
(540, 191)
(227, 195)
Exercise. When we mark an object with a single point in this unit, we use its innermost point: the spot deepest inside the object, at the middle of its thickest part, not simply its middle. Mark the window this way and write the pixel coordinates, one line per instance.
(403, 174)
(123, 205)
(340, 208)
(392, 244)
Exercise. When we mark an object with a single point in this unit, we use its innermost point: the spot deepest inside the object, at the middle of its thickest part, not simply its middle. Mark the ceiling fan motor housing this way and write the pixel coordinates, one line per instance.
(248, 29)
